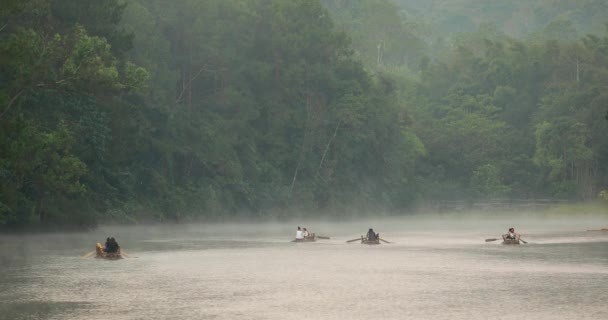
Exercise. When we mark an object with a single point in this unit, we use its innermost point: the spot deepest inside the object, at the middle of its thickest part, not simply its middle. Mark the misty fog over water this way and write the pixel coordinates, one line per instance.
(437, 267)
(439, 123)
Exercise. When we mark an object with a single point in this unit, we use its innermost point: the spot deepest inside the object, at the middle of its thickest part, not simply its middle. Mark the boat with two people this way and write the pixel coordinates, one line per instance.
(303, 235)
(110, 250)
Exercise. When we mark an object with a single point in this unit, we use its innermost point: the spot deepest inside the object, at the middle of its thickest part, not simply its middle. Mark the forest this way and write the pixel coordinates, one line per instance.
(132, 111)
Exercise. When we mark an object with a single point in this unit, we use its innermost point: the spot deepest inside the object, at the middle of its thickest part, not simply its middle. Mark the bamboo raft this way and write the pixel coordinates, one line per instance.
(100, 254)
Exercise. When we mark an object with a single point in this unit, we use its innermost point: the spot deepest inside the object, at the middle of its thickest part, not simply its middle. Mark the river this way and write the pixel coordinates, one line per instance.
(437, 267)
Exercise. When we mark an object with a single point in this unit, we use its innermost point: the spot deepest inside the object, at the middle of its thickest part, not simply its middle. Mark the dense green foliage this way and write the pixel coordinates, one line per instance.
(516, 18)
(155, 110)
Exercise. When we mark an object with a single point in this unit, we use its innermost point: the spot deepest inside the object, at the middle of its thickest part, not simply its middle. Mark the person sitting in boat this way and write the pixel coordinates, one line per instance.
(299, 234)
(113, 246)
(511, 235)
(305, 233)
(99, 249)
(116, 246)
(371, 235)
(106, 245)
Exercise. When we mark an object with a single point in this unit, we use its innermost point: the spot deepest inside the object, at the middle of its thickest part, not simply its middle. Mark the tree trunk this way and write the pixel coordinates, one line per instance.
(40, 209)
(327, 146)
(10, 103)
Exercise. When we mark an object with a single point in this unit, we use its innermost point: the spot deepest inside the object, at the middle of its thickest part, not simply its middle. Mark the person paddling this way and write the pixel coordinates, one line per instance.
(305, 233)
(299, 234)
(511, 235)
(112, 246)
(106, 245)
(371, 235)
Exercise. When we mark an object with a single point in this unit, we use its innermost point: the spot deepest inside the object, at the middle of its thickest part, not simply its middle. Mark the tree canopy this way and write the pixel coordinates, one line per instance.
(127, 111)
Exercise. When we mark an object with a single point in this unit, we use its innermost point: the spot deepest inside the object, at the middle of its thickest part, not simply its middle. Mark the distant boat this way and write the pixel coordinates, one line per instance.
(311, 238)
(100, 254)
(365, 240)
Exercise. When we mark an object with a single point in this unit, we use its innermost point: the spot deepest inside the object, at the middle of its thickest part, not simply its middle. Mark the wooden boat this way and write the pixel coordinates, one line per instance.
(370, 242)
(505, 240)
(100, 254)
(311, 238)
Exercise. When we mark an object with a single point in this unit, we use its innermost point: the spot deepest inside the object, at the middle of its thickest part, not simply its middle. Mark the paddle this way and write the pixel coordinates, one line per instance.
(384, 240)
(88, 254)
(354, 240)
(323, 237)
(490, 240)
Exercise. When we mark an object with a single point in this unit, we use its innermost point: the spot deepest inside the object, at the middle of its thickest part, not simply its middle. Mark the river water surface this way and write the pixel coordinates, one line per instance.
(436, 268)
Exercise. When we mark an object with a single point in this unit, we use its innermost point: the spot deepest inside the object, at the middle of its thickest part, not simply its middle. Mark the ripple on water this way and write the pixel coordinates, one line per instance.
(422, 276)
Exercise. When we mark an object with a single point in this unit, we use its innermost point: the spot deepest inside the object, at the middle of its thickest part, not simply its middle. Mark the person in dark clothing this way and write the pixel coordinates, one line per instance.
(112, 246)
(106, 246)
(371, 235)
(116, 246)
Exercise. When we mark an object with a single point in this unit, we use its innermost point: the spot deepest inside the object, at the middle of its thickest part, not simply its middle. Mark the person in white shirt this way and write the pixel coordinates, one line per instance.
(305, 233)
(511, 235)
(299, 234)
